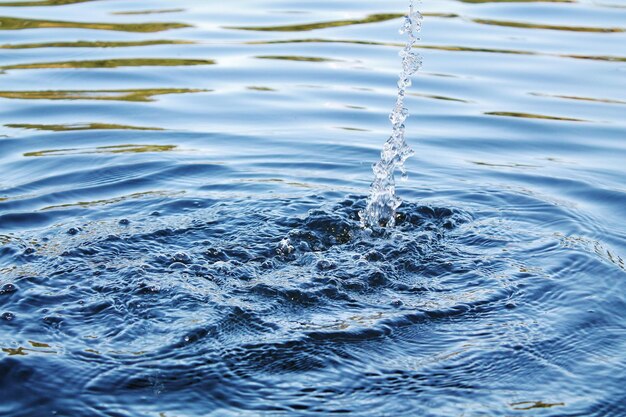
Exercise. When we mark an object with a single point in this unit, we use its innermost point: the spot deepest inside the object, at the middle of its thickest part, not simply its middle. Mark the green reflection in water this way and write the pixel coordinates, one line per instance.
(549, 27)
(36, 3)
(134, 196)
(529, 405)
(533, 116)
(297, 58)
(598, 57)
(14, 23)
(390, 44)
(78, 126)
(114, 149)
(94, 44)
(116, 95)
(448, 48)
(114, 63)
(595, 100)
(374, 18)
(23, 351)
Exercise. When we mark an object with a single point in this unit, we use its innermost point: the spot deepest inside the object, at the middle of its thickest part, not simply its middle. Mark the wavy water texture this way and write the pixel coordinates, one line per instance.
(180, 192)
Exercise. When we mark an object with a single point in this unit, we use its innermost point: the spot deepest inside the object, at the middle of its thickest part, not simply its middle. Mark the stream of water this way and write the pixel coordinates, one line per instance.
(383, 202)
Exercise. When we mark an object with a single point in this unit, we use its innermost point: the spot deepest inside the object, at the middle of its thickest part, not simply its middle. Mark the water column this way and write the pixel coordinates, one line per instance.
(383, 202)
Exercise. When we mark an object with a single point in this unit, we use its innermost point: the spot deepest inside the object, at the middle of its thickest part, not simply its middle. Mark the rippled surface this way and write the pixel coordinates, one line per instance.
(179, 195)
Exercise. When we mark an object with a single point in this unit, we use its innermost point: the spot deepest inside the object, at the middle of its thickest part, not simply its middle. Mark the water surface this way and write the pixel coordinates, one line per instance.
(180, 185)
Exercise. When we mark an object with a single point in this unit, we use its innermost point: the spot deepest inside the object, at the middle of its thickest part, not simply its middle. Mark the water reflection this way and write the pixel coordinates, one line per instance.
(374, 18)
(297, 58)
(154, 11)
(113, 149)
(15, 23)
(114, 63)
(95, 44)
(38, 3)
(525, 25)
(78, 127)
(115, 95)
(533, 116)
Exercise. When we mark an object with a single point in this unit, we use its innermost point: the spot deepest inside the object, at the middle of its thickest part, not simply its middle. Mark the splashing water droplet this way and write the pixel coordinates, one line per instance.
(383, 202)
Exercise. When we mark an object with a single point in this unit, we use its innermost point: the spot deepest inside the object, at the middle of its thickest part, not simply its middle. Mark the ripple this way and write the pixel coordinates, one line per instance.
(15, 23)
(113, 63)
(38, 3)
(533, 116)
(78, 126)
(95, 44)
(152, 11)
(305, 27)
(526, 25)
(138, 95)
(127, 148)
(246, 295)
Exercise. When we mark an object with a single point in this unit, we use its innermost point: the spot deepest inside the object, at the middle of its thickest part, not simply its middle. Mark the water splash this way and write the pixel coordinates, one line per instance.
(383, 202)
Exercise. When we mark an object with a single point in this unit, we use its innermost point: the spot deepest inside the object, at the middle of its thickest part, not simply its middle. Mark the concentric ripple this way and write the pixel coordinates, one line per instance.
(289, 306)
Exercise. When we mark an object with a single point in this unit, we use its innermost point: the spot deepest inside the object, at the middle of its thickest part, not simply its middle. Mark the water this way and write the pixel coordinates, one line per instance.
(180, 192)
(383, 202)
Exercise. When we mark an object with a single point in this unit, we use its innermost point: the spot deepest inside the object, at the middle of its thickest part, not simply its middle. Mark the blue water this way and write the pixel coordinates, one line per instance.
(179, 199)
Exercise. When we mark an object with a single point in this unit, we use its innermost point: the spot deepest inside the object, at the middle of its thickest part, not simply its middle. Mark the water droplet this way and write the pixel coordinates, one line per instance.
(8, 289)
(7, 316)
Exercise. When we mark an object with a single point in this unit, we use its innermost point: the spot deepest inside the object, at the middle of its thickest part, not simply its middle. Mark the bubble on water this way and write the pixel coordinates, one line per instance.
(285, 247)
(8, 289)
(383, 202)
